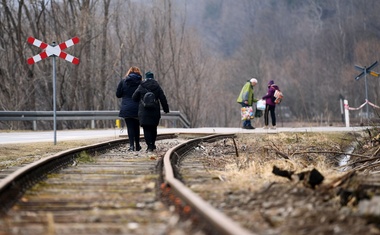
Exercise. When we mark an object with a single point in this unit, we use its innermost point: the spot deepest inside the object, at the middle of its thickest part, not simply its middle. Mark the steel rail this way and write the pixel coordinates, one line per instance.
(208, 213)
(15, 184)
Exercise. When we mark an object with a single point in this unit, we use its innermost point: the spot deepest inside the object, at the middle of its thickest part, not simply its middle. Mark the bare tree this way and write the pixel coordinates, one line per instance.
(201, 52)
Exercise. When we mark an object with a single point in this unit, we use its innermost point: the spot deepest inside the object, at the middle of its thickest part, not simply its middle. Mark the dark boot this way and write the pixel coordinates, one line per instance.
(138, 147)
(150, 148)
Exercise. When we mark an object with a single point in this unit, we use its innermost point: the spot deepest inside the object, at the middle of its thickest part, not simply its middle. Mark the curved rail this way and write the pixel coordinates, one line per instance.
(15, 184)
(173, 185)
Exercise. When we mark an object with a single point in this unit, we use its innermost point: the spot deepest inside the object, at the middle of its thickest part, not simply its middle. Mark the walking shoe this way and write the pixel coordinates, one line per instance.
(131, 148)
(138, 148)
(273, 128)
(249, 127)
(265, 127)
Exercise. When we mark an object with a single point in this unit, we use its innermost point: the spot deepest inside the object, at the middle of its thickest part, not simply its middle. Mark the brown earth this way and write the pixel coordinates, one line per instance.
(13, 155)
(291, 183)
(345, 202)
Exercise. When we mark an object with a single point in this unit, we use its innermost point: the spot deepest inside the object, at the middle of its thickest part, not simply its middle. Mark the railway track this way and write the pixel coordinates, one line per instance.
(102, 189)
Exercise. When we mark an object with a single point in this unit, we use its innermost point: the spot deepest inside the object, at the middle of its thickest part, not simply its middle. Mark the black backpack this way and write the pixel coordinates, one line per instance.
(149, 100)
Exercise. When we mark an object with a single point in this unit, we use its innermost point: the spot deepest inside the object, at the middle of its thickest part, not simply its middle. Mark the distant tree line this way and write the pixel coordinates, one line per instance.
(309, 47)
(114, 35)
(202, 52)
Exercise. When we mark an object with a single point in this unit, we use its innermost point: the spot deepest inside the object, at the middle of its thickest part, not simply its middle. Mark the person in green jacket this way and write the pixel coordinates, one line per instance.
(247, 98)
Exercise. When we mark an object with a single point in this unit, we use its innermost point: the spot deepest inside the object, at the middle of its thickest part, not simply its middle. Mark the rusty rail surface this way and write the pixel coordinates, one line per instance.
(220, 223)
(14, 186)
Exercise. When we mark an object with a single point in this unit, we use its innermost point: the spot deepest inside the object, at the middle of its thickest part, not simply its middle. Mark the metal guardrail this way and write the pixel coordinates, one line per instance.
(79, 115)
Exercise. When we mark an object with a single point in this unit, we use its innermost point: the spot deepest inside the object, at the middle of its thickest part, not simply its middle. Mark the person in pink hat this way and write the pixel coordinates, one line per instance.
(270, 105)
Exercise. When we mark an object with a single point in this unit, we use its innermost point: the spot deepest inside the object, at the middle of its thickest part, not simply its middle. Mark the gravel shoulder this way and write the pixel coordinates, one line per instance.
(345, 202)
(290, 200)
(15, 155)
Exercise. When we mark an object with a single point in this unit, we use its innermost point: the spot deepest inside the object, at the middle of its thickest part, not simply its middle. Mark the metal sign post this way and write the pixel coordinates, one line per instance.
(341, 102)
(346, 113)
(54, 98)
(53, 51)
(364, 72)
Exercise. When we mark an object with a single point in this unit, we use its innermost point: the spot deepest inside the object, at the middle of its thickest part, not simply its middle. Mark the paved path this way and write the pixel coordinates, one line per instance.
(12, 137)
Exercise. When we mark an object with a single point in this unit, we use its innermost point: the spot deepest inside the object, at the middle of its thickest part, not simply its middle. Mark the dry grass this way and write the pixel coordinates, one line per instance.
(296, 152)
(24, 153)
(257, 155)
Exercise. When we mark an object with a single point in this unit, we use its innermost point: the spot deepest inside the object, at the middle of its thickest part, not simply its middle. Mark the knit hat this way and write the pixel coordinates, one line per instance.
(253, 80)
(270, 83)
(149, 75)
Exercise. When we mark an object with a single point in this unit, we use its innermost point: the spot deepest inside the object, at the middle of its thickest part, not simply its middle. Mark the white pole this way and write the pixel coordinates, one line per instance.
(54, 98)
(346, 113)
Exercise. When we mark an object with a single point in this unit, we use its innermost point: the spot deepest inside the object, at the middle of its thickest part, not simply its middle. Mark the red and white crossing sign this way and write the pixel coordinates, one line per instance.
(53, 50)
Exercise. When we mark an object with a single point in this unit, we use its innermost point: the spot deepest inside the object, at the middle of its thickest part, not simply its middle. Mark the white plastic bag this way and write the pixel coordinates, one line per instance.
(261, 105)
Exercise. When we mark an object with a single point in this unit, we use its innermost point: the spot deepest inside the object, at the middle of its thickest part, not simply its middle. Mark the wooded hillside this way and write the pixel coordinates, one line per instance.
(202, 52)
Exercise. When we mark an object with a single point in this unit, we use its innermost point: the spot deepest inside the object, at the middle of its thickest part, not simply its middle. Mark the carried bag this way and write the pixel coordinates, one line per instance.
(278, 96)
(149, 100)
(247, 113)
(258, 113)
(261, 105)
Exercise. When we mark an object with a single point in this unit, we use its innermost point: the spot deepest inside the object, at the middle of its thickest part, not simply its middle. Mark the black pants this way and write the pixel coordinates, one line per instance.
(270, 108)
(150, 135)
(133, 127)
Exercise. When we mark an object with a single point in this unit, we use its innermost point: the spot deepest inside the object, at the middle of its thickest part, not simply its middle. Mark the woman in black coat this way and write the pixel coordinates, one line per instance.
(129, 107)
(150, 117)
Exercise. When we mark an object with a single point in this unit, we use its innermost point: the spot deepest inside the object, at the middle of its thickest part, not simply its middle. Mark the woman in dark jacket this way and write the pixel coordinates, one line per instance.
(150, 117)
(270, 105)
(129, 107)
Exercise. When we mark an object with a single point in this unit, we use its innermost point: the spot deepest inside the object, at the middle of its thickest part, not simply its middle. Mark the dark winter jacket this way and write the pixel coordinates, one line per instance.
(269, 97)
(150, 116)
(125, 90)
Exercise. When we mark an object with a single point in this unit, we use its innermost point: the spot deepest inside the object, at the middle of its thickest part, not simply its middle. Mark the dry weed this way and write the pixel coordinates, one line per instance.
(296, 152)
